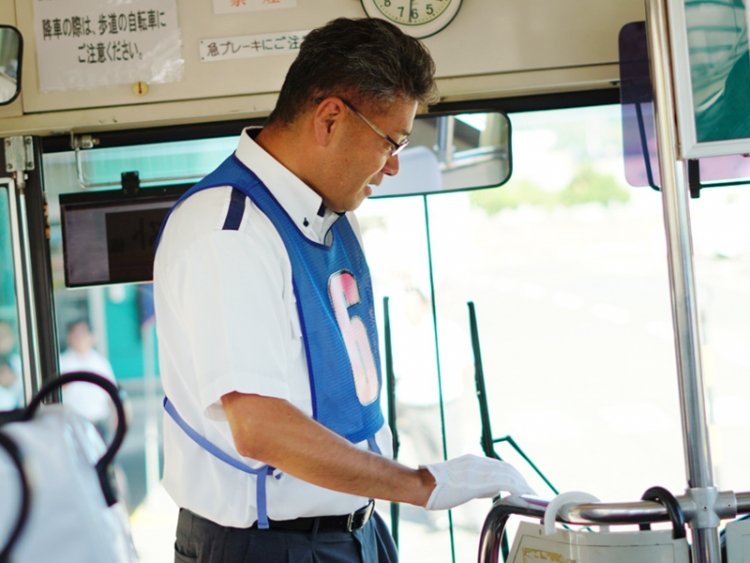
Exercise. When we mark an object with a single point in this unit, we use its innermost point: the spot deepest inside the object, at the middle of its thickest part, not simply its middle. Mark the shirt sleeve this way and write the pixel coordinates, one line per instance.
(233, 303)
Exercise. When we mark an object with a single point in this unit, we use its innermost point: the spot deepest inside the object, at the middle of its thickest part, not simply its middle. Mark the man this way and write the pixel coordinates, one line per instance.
(268, 348)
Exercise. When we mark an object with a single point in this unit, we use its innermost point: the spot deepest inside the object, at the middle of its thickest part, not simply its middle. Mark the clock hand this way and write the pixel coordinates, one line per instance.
(411, 4)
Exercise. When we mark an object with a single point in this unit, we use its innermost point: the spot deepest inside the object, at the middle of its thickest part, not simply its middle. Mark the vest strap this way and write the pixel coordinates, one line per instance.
(260, 474)
(235, 212)
(374, 445)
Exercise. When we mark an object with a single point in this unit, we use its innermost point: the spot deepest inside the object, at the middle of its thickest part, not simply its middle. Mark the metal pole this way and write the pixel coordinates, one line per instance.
(684, 305)
(390, 384)
(33, 330)
(446, 131)
(24, 343)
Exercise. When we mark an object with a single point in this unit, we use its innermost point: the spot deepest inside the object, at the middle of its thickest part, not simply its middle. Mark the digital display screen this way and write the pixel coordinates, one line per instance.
(109, 237)
(131, 240)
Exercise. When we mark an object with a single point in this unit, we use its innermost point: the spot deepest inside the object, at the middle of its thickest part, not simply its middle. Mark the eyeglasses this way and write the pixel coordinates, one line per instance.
(397, 147)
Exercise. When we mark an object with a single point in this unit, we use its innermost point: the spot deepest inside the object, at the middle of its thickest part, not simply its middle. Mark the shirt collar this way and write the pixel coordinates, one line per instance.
(302, 203)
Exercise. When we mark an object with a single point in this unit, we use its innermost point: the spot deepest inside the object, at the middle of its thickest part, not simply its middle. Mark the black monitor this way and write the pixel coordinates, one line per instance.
(109, 237)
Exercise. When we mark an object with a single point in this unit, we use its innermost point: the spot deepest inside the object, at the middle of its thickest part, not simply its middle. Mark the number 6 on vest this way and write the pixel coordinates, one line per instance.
(344, 292)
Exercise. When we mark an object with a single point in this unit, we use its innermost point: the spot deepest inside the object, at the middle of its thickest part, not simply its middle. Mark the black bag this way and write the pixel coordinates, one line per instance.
(23, 502)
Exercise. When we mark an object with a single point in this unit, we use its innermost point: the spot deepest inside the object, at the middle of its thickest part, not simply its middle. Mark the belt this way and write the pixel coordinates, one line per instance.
(343, 523)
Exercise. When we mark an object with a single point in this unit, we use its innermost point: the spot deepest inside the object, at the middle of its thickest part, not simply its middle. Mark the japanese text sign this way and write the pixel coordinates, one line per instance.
(91, 43)
(248, 46)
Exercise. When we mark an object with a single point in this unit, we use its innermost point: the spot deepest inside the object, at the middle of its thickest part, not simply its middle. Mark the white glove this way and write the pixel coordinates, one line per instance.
(468, 477)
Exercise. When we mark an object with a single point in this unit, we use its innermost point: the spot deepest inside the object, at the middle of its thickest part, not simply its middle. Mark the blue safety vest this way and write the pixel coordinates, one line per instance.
(333, 289)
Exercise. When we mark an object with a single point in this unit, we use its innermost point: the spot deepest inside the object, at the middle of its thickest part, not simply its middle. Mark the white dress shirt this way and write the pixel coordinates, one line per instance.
(227, 321)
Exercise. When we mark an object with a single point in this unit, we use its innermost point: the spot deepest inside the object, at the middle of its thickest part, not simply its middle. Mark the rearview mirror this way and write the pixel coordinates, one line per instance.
(449, 153)
(11, 49)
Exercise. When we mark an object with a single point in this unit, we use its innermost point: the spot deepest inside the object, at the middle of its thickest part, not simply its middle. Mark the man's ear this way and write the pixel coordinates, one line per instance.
(327, 119)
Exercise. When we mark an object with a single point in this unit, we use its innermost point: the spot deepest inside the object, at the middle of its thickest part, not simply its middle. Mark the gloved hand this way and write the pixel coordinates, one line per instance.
(468, 477)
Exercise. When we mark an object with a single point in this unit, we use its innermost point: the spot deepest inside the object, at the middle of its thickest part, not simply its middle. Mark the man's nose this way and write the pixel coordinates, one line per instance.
(392, 166)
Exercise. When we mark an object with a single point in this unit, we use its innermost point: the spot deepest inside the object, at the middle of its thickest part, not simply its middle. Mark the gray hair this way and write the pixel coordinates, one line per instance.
(370, 61)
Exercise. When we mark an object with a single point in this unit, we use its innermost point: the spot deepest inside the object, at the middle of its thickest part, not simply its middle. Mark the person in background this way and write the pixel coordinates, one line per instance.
(86, 399)
(11, 384)
(418, 389)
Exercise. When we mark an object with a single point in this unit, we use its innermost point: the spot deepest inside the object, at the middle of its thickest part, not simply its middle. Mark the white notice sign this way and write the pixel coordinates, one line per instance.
(91, 43)
(232, 6)
(250, 46)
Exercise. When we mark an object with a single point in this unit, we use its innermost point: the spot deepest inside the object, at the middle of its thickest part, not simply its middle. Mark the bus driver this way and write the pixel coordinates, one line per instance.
(267, 340)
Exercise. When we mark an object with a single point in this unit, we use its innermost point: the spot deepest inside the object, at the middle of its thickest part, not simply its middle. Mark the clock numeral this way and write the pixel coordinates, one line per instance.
(387, 3)
(401, 9)
(430, 11)
(414, 15)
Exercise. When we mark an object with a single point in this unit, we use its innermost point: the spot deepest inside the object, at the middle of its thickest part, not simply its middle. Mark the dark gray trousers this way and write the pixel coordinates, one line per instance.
(202, 541)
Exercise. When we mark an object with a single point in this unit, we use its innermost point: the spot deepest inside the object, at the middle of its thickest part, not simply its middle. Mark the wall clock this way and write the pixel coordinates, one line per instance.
(418, 18)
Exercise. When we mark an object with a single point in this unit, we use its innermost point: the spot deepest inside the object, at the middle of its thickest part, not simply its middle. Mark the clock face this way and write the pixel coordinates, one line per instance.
(418, 18)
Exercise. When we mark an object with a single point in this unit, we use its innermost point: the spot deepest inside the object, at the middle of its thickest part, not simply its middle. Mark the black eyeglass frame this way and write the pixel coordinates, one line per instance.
(397, 147)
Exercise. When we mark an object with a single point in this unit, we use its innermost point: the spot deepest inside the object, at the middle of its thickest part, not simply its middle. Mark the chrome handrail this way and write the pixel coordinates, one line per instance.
(491, 536)
(728, 505)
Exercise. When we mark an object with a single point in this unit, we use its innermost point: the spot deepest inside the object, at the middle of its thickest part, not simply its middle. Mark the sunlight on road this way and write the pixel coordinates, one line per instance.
(153, 525)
